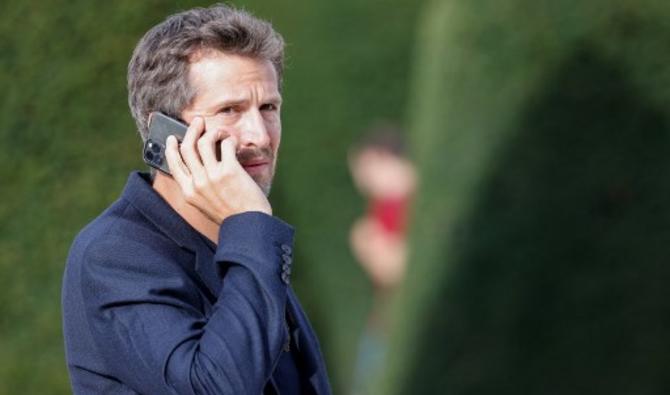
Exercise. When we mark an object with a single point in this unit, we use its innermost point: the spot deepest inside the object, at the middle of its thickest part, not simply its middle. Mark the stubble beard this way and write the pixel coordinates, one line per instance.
(264, 181)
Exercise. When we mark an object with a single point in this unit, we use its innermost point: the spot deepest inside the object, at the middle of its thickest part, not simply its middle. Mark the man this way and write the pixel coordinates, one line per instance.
(182, 285)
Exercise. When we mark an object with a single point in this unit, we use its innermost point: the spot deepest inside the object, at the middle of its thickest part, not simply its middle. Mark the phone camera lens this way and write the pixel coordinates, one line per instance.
(149, 155)
(156, 148)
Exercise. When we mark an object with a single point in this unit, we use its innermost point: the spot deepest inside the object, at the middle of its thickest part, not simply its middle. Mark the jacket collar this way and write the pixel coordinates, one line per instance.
(141, 195)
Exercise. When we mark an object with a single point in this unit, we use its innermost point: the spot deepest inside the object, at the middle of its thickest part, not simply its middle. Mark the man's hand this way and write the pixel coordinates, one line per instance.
(218, 188)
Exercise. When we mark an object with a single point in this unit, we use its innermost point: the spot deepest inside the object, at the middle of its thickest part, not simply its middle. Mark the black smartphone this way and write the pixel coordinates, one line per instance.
(160, 127)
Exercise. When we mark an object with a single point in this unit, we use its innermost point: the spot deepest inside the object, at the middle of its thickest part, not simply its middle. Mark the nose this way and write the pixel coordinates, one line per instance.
(253, 132)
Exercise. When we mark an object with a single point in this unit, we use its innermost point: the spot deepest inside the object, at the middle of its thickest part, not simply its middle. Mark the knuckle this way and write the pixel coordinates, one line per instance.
(218, 176)
(226, 172)
(199, 184)
(189, 194)
(215, 176)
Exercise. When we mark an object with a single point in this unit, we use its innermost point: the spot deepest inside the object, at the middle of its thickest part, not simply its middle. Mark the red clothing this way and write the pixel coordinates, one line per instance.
(391, 214)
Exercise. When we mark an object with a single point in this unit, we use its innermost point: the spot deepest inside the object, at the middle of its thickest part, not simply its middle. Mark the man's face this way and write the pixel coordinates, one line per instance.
(240, 96)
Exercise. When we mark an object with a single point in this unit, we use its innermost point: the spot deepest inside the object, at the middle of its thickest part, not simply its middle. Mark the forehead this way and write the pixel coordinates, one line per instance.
(229, 72)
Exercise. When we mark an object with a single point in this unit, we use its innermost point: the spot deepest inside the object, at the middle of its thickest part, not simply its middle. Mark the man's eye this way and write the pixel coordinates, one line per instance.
(269, 107)
(227, 110)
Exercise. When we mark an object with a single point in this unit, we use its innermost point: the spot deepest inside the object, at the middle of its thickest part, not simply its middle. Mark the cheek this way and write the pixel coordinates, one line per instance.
(274, 132)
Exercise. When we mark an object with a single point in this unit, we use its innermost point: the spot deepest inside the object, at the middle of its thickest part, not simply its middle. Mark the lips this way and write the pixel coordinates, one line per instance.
(255, 167)
(255, 163)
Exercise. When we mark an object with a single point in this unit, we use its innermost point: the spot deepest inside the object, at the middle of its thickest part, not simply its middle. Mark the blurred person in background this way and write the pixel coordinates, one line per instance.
(182, 285)
(386, 177)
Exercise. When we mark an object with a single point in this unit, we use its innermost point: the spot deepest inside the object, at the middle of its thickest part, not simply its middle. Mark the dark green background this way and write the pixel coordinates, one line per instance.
(542, 229)
(68, 144)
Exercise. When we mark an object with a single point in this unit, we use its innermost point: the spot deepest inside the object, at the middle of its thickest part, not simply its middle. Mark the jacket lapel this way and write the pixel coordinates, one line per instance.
(141, 194)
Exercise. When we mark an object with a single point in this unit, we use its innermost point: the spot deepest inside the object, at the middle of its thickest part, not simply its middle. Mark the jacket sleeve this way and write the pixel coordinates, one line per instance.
(148, 319)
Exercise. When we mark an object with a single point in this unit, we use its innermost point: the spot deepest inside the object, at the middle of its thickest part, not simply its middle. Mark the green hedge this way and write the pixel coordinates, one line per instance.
(540, 239)
(68, 143)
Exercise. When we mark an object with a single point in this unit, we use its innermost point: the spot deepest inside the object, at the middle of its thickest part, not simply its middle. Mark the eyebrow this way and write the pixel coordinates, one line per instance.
(277, 100)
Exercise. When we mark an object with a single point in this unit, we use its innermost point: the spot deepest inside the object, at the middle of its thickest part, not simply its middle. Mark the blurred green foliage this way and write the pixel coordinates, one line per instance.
(539, 260)
(68, 144)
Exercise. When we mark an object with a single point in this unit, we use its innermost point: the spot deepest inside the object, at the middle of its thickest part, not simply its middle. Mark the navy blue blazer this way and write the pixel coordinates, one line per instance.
(146, 309)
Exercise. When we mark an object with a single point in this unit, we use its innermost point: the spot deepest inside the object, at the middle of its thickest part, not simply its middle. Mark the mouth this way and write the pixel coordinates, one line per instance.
(255, 166)
(255, 163)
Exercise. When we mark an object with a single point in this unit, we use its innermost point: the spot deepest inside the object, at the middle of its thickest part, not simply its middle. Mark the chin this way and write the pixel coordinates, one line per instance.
(265, 185)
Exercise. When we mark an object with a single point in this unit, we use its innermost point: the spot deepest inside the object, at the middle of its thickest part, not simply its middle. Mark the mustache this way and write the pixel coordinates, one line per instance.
(246, 155)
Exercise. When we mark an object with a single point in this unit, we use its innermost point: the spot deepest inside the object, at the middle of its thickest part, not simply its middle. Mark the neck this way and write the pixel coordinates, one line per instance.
(168, 188)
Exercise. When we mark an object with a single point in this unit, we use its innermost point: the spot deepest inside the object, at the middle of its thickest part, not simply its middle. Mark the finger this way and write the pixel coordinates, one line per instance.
(175, 164)
(207, 149)
(228, 151)
(189, 150)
